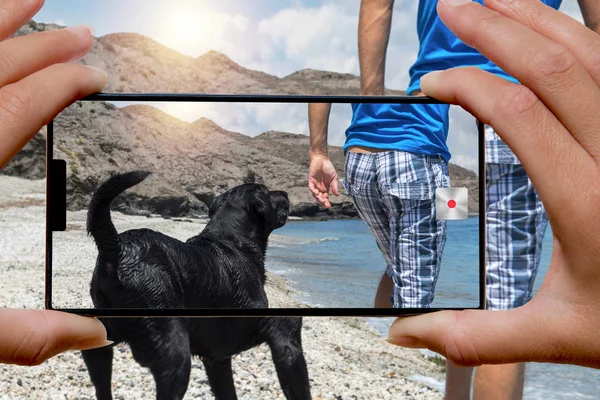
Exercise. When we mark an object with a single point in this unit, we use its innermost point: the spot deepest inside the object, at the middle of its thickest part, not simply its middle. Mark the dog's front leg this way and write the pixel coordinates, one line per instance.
(286, 348)
(220, 378)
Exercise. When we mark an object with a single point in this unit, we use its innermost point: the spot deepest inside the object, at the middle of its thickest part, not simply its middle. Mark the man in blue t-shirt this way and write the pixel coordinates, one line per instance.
(396, 158)
(515, 217)
(516, 220)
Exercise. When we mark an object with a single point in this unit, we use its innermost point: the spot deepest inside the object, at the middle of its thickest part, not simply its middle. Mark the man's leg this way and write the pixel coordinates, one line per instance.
(499, 382)
(385, 292)
(458, 382)
(361, 185)
(516, 222)
(408, 182)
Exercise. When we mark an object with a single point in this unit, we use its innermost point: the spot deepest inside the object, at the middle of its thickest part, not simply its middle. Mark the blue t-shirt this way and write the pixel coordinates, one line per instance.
(440, 49)
(420, 128)
(414, 128)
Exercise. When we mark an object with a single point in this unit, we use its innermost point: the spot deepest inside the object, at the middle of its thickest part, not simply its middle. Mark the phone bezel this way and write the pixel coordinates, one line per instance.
(258, 312)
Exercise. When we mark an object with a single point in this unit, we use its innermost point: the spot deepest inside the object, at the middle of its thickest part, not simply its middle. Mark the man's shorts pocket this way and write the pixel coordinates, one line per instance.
(353, 188)
(409, 191)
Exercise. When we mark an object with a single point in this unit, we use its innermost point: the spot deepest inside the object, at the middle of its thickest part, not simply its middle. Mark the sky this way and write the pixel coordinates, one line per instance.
(275, 36)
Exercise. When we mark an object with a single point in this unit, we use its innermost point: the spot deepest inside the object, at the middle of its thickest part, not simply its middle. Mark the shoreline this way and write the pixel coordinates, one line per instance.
(346, 357)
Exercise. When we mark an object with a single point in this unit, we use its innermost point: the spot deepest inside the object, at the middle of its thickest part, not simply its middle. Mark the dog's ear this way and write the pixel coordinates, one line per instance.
(262, 206)
(250, 177)
(253, 177)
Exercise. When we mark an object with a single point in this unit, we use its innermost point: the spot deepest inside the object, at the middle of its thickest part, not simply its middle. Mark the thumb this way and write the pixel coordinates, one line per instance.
(30, 337)
(335, 187)
(475, 337)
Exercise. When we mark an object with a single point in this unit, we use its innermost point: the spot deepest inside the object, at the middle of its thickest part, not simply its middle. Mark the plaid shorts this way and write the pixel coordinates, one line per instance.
(516, 222)
(394, 193)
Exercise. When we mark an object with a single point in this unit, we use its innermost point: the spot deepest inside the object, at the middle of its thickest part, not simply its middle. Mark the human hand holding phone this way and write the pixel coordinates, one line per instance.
(36, 83)
(37, 79)
(551, 123)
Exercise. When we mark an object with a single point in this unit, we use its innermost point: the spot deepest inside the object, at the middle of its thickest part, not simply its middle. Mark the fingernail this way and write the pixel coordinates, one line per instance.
(430, 81)
(407, 341)
(100, 77)
(431, 78)
(89, 344)
(83, 31)
(454, 2)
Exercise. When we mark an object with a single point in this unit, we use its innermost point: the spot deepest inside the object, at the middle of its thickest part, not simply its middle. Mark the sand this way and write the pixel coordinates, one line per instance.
(346, 357)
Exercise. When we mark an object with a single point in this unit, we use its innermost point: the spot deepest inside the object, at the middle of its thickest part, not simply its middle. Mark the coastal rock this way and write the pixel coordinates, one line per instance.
(344, 210)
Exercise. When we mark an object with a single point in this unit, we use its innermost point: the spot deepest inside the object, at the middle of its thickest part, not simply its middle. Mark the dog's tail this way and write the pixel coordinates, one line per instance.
(99, 223)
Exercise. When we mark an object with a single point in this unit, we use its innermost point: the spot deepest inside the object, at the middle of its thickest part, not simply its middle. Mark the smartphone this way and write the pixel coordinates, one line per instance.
(164, 205)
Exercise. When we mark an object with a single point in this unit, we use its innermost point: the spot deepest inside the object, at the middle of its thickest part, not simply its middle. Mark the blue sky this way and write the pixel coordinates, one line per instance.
(275, 36)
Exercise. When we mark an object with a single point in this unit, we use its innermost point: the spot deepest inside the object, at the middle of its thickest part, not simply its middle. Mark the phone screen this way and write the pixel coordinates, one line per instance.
(200, 205)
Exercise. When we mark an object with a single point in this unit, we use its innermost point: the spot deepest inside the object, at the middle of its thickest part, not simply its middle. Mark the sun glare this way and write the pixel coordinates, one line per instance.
(188, 112)
(187, 29)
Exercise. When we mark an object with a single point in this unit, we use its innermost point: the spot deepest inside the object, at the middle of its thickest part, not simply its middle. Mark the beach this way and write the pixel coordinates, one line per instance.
(346, 357)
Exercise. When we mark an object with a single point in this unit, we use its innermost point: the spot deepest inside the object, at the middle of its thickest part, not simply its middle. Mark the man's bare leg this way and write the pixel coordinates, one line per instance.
(384, 292)
(499, 382)
(458, 382)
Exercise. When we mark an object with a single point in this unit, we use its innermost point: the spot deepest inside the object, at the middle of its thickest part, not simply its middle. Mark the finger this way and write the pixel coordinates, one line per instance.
(324, 200)
(316, 195)
(335, 187)
(313, 188)
(524, 123)
(31, 103)
(15, 13)
(22, 56)
(556, 26)
(29, 337)
(471, 338)
(317, 192)
(318, 199)
(546, 67)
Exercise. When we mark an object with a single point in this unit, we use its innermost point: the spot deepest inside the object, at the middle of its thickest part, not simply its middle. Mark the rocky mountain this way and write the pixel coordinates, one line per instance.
(136, 63)
(191, 163)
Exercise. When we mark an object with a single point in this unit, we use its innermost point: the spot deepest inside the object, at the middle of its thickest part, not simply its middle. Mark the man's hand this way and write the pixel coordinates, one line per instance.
(36, 83)
(551, 122)
(321, 177)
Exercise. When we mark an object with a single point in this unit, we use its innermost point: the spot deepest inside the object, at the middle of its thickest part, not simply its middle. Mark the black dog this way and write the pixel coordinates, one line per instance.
(223, 267)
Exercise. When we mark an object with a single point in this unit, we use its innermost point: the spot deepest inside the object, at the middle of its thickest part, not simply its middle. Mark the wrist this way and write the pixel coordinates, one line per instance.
(372, 90)
(317, 153)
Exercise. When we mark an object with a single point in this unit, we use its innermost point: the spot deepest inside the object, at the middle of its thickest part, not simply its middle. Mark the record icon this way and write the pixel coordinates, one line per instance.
(451, 203)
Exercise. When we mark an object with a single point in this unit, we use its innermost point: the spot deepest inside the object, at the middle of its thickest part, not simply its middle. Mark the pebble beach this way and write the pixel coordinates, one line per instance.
(346, 357)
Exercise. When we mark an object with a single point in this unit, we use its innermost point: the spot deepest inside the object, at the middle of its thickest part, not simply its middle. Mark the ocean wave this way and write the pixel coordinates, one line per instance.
(328, 239)
(284, 241)
(553, 394)
(381, 324)
(283, 271)
(277, 245)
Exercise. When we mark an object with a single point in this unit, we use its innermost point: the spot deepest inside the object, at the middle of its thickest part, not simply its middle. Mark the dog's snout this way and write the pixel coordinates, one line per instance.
(282, 205)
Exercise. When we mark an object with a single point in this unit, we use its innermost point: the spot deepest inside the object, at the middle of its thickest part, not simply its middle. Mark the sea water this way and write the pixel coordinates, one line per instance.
(337, 264)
